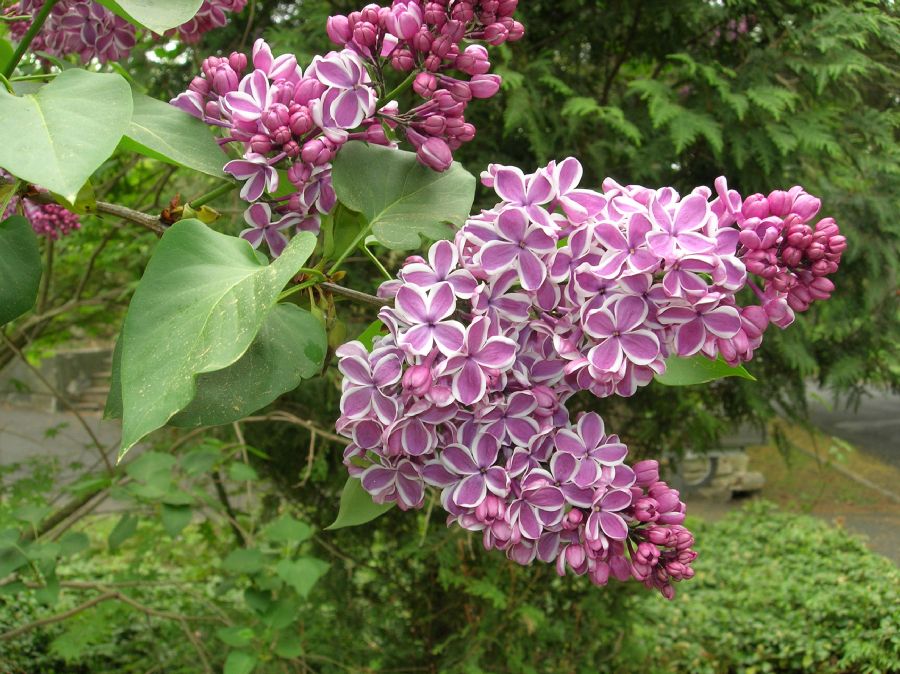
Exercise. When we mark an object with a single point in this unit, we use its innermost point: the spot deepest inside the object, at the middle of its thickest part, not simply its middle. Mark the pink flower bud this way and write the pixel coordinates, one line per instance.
(646, 472)
(485, 86)
(454, 30)
(425, 85)
(435, 154)
(316, 152)
(435, 14)
(496, 34)
(370, 13)
(755, 206)
(291, 148)
(434, 125)
(338, 29)
(308, 89)
(402, 60)
(261, 144)
(441, 46)
(474, 60)
(199, 85)
(404, 20)
(417, 380)
(301, 121)
(516, 31)
(237, 61)
(422, 40)
(365, 34)
(779, 203)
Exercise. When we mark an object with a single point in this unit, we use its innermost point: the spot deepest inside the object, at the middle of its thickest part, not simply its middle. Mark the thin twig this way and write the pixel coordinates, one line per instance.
(89, 269)
(105, 208)
(59, 396)
(287, 417)
(366, 298)
(58, 617)
(226, 503)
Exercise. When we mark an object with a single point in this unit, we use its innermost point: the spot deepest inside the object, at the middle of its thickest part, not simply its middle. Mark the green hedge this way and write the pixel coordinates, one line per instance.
(777, 592)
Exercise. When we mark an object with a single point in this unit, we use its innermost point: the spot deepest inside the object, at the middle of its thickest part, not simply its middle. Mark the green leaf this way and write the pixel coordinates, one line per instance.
(286, 529)
(698, 370)
(290, 347)
(10, 559)
(240, 662)
(236, 636)
(175, 518)
(59, 136)
(125, 528)
(302, 573)
(6, 52)
(368, 336)
(162, 131)
(241, 472)
(244, 560)
(73, 543)
(357, 506)
(20, 268)
(157, 15)
(289, 645)
(400, 198)
(198, 308)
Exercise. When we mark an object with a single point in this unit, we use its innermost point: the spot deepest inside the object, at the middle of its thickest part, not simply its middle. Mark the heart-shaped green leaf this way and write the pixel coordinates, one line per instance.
(357, 506)
(301, 574)
(20, 268)
(198, 308)
(290, 346)
(162, 131)
(60, 135)
(699, 370)
(399, 197)
(157, 15)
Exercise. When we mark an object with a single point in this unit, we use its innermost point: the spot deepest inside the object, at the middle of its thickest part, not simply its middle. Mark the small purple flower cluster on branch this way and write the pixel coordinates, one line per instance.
(555, 290)
(50, 220)
(91, 31)
(290, 123)
(426, 37)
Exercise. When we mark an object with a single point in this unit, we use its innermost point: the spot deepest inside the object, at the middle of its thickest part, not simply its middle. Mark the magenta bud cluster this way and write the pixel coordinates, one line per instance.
(91, 31)
(781, 244)
(425, 39)
(555, 290)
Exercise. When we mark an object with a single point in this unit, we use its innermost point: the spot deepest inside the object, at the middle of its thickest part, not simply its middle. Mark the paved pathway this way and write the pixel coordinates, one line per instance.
(873, 428)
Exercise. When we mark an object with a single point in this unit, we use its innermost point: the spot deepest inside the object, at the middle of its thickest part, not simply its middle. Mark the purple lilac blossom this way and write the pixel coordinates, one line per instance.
(555, 290)
(294, 121)
(89, 30)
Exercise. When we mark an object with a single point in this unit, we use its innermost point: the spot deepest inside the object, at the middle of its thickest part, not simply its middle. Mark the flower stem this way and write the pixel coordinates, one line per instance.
(30, 34)
(204, 199)
(353, 244)
(403, 86)
(377, 262)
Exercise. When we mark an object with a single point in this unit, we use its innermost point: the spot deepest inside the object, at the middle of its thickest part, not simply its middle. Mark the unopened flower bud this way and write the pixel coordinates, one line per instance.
(435, 154)
(338, 29)
(485, 86)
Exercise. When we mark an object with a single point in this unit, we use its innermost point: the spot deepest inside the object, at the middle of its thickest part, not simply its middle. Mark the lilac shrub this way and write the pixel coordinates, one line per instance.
(289, 123)
(555, 290)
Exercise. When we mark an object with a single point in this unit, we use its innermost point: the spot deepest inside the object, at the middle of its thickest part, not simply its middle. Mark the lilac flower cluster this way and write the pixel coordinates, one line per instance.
(284, 117)
(426, 37)
(556, 289)
(212, 14)
(90, 30)
(50, 220)
(290, 123)
(81, 27)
